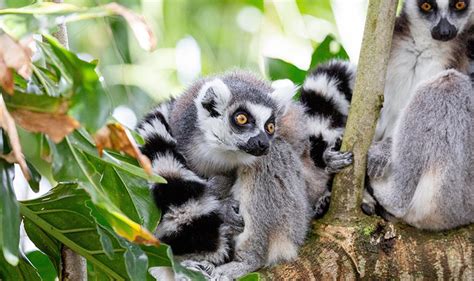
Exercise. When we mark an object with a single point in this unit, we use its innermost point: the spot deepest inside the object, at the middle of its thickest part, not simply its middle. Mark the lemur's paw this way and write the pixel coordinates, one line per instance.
(337, 160)
(376, 165)
(204, 267)
(228, 271)
(321, 206)
(368, 209)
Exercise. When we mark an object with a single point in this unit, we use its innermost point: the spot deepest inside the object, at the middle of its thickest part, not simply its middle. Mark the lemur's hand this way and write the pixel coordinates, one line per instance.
(231, 214)
(336, 160)
(378, 159)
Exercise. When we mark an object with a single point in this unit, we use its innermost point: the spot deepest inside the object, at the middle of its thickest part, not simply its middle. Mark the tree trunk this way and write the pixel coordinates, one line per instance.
(348, 245)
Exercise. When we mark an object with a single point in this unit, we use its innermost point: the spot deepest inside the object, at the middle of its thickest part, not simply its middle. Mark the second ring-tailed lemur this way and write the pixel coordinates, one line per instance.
(426, 42)
(210, 144)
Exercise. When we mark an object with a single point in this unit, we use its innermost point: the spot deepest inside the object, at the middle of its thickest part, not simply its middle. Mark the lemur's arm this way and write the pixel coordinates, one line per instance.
(326, 95)
(379, 158)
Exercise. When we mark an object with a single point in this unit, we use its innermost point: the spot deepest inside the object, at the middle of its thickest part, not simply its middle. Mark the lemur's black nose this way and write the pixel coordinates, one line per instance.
(444, 30)
(258, 145)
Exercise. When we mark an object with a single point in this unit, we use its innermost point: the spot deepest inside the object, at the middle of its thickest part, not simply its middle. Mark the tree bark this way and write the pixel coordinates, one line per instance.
(346, 244)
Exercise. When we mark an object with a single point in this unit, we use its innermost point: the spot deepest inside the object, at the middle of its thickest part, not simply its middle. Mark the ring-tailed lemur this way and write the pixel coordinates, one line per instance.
(220, 129)
(424, 173)
(426, 42)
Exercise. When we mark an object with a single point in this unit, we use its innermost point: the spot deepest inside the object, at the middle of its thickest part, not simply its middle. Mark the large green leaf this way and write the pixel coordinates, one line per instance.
(9, 210)
(62, 214)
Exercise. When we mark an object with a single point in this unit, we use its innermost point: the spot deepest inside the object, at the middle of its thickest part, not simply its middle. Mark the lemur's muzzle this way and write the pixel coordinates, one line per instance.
(444, 30)
(257, 145)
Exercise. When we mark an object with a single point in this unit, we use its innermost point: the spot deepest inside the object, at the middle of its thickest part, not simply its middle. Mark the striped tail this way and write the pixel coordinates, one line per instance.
(326, 95)
(192, 223)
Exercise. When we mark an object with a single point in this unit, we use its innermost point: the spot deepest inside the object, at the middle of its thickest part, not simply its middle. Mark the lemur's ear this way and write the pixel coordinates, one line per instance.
(213, 98)
(283, 94)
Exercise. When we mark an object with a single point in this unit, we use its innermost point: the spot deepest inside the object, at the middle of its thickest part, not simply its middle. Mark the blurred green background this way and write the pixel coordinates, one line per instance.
(197, 38)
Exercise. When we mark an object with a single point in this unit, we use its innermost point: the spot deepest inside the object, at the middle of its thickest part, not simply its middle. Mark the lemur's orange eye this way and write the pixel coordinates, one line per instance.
(426, 7)
(241, 119)
(270, 127)
(460, 5)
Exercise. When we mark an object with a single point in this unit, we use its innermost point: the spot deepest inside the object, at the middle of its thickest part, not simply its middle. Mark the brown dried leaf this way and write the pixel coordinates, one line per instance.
(16, 55)
(7, 123)
(141, 29)
(56, 126)
(115, 136)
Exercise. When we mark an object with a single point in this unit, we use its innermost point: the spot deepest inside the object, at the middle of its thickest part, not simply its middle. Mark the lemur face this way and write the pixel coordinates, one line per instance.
(444, 19)
(237, 117)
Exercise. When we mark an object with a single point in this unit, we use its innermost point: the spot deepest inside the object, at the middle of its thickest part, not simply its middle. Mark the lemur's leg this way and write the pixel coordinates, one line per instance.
(379, 158)
(250, 255)
(378, 162)
(187, 207)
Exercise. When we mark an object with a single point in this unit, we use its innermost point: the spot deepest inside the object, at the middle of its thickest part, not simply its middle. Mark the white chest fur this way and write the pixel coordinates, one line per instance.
(410, 63)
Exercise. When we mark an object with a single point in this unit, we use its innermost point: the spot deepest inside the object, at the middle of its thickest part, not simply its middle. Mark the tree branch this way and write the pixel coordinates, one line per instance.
(365, 108)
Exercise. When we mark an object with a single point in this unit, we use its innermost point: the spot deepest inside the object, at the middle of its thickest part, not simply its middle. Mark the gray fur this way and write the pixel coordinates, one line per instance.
(416, 56)
(272, 195)
(273, 189)
(429, 182)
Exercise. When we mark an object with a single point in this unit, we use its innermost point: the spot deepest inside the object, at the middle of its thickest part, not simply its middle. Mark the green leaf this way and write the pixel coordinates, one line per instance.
(255, 276)
(279, 69)
(24, 271)
(61, 214)
(323, 52)
(44, 266)
(90, 104)
(9, 215)
(47, 244)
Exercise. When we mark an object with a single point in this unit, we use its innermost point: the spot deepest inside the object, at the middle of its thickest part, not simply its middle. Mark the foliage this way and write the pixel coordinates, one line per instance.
(52, 104)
